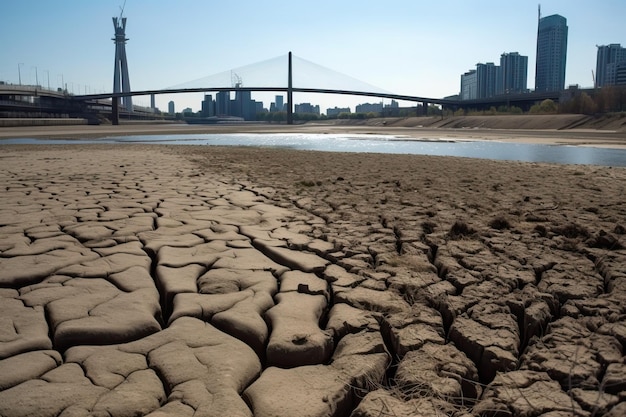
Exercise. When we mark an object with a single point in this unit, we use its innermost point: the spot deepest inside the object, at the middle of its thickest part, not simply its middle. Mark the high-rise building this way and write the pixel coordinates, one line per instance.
(469, 85)
(551, 53)
(369, 108)
(171, 108)
(280, 106)
(620, 74)
(258, 108)
(243, 106)
(486, 75)
(208, 106)
(303, 108)
(481, 82)
(222, 103)
(610, 59)
(513, 73)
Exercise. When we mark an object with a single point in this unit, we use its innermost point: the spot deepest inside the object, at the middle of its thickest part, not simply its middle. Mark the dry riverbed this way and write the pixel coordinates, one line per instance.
(174, 281)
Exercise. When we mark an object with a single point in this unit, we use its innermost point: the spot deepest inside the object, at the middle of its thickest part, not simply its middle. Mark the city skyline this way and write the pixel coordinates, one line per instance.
(406, 48)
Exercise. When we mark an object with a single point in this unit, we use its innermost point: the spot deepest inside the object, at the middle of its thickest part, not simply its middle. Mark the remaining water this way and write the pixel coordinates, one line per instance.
(560, 154)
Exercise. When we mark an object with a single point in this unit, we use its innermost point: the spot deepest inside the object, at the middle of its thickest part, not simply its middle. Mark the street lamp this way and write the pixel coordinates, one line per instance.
(19, 73)
(36, 77)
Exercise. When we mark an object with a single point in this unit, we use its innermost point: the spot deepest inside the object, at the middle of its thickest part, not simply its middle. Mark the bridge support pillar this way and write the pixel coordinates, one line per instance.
(289, 93)
(115, 111)
(425, 108)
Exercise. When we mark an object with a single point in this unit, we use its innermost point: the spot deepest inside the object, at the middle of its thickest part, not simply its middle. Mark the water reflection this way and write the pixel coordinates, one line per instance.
(560, 154)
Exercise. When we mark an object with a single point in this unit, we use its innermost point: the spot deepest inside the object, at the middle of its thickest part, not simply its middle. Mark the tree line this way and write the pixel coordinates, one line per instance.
(609, 99)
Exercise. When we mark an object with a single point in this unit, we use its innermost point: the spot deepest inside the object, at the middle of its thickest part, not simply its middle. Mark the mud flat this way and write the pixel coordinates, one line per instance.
(181, 281)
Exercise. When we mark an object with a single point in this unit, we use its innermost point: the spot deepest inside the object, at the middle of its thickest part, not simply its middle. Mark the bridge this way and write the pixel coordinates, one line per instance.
(111, 101)
(289, 89)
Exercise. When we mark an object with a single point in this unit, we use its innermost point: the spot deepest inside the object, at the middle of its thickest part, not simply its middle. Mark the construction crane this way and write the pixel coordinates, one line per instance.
(235, 80)
(593, 77)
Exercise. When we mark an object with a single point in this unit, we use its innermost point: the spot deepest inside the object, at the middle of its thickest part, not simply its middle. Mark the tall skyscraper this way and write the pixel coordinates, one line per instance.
(486, 75)
(610, 59)
(551, 53)
(514, 73)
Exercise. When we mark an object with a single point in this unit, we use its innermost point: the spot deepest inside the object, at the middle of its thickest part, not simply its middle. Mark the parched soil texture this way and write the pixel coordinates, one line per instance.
(222, 281)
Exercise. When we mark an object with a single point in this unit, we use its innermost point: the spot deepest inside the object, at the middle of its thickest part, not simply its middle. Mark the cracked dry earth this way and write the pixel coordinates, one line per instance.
(189, 281)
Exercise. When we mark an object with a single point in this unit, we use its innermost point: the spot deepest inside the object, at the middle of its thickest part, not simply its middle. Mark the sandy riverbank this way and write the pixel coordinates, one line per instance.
(173, 281)
(524, 129)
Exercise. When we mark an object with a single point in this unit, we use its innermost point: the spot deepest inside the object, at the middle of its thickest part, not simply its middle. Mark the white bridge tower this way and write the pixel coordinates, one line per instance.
(121, 82)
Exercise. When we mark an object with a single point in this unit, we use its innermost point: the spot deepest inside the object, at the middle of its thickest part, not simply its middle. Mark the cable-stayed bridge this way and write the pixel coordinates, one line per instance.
(274, 72)
(286, 73)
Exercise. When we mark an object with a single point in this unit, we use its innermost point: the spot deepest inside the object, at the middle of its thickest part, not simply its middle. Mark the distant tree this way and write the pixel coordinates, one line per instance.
(279, 116)
(605, 98)
(343, 115)
(587, 105)
(548, 106)
(611, 98)
(545, 107)
(434, 110)
(580, 104)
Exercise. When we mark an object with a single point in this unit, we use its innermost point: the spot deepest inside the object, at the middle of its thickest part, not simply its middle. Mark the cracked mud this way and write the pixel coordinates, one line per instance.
(188, 281)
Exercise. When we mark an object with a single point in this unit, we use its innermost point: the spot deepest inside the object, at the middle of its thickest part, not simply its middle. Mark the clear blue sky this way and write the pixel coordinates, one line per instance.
(403, 46)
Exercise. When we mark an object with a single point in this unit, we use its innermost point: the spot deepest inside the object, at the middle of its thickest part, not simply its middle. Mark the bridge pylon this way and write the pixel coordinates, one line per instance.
(121, 81)
(289, 93)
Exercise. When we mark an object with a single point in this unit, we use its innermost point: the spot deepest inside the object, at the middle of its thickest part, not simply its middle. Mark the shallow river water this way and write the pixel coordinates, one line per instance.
(561, 154)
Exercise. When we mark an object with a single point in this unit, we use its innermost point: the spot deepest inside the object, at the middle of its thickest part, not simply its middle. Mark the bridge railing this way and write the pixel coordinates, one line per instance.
(35, 89)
